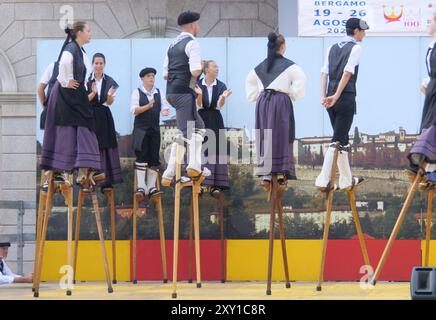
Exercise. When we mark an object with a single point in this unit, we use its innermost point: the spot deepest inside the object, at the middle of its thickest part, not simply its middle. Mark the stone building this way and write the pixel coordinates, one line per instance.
(24, 22)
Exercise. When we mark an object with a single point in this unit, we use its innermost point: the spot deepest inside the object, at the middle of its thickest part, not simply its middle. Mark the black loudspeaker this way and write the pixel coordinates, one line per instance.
(423, 283)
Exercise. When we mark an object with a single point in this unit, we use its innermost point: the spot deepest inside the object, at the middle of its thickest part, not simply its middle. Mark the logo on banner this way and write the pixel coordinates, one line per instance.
(393, 16)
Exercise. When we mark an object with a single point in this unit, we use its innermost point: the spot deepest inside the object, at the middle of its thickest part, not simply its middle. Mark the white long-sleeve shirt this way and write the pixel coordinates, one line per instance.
(292, 82)
(7, 276)
(66, 68)
(192, 50)
(134, 101)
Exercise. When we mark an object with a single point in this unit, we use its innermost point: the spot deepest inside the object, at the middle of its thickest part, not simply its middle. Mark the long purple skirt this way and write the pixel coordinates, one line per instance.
(110, 164)
(219, 177)
(274, 112)
(67, 148)
(425, 147)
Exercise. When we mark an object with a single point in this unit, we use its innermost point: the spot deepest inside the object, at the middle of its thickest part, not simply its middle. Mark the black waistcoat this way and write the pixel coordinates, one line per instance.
(149, 120)
(72, 106)
(179, 73)
(338, 59)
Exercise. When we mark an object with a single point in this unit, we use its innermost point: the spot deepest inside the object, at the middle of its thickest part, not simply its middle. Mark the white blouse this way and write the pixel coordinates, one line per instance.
(292, 82)
(66, 68)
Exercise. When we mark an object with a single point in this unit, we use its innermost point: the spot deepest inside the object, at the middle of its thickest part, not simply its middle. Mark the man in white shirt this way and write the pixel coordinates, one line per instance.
(338, 96)
(182, 67)
(48, 79)
(6, 275)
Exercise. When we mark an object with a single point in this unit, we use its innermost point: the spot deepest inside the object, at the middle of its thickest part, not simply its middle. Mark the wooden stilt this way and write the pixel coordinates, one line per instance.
(428, 226)
(41, 207)
(111, 200)
(101, 236)
(178, 189)
(397, 227)
(329, 204)
(273, 197)
(68, 193)
(158, 203)
(77, 232)
(196, 190)
(220, 204)
(134, 214)
(352, 201)
(191, 240)
(279, 205)
(40, 250)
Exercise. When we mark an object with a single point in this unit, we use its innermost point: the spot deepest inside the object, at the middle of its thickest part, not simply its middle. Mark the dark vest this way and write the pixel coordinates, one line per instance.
(151, 118)
(72, 106)
(107, 83)
(51, 83)
(432, 67)
(79, 68)
(338, 59)
(179, 73)
(217, 91)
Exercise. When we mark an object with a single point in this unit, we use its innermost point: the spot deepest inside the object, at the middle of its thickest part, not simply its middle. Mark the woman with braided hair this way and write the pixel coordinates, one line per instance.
(69, 140)
(275, 84)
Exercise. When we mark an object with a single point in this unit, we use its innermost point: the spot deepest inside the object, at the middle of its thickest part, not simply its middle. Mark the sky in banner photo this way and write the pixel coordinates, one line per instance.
(390, 74)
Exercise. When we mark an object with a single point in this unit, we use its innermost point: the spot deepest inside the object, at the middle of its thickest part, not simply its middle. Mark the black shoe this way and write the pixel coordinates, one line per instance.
(140, 192)
(106, 187)
(154, 192)
(215, 191)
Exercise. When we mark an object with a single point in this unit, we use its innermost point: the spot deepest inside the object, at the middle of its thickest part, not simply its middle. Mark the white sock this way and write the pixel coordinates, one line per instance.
(140, 174)
(151, 178)
(170, 171)
(324, 177)
(345, 176)
(195, 147)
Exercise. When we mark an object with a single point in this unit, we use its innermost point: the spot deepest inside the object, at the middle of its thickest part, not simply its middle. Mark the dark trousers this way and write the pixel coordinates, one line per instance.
(341, 117)
(150, 150)
(186, 111)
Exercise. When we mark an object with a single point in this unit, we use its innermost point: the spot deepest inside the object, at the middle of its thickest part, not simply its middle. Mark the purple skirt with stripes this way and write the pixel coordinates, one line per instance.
(110, 164)
(67, 148)
(425, 147)
(274, 112)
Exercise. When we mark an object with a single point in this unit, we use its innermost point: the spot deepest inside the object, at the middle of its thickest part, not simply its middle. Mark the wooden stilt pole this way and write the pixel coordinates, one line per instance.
(397, 227)
(101, 236)
(273, 197)
(352, 201)
(329, 205)
(279, 205)
(77, 232)
(428, 226)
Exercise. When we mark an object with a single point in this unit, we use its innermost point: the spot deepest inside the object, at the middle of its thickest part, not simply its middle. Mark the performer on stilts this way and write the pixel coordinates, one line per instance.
(48, 80)
(147, 104)
(275, 84)
(338, 96)
(101, 93)
(182, 67)
(211, 98)
(70, 142)
(424, 149)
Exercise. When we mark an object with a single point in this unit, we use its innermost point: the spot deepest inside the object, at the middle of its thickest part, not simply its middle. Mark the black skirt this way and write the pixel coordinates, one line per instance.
(73, 108)
(105, 127)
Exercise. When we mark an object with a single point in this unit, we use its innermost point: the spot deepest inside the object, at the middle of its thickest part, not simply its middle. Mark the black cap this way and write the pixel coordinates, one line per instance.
(356, 23)
(146, 71)
(4, 244)
(188, 17)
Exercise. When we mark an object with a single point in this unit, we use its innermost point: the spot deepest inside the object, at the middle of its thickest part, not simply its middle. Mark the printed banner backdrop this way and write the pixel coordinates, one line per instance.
(389, 107)
(385, 17)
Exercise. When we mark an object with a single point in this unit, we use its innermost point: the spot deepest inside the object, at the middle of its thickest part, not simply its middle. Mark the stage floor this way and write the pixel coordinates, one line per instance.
(212, 291)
